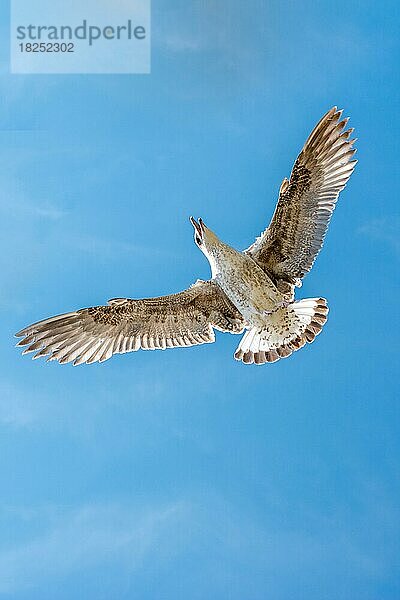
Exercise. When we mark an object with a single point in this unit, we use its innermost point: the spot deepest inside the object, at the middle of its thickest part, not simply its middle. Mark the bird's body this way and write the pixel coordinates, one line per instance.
(247, 286)
(251, 290)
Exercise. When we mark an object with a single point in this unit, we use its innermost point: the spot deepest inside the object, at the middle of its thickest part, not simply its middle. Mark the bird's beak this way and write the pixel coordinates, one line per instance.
(198, 226)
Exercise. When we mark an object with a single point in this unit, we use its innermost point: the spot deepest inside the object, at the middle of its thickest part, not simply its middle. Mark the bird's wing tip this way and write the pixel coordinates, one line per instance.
(20, 333)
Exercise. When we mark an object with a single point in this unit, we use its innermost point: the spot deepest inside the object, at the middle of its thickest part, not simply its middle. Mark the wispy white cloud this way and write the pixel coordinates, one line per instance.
(89, 536)
(50, 212)
(13, 409)
(385, 230)
(182, 43)
(234, 545)
(15, 202)
(205, 27)
(111, 248)
(105, 246)
(26, 408)
(22, 207)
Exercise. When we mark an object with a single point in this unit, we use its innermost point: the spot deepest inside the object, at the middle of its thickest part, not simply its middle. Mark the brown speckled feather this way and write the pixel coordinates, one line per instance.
(289, 246)
(95, 334)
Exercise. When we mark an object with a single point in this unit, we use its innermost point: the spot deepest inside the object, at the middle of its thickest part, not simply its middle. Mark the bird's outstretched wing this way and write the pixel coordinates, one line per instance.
(289, 246)
(95, 334)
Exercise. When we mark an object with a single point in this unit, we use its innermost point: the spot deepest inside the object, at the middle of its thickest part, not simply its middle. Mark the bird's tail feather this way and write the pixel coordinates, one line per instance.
(286, 330)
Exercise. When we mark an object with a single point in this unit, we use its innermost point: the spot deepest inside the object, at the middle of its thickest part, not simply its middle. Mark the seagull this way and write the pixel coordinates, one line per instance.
(250, 291)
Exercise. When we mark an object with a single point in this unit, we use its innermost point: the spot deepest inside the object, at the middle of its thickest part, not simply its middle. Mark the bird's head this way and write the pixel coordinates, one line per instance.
(204, 238)
(211, 246)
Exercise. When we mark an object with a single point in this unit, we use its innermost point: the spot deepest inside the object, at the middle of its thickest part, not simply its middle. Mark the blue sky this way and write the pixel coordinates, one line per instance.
(184, 474)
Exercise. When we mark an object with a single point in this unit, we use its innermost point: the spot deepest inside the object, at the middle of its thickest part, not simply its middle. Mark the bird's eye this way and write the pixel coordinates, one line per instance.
(198, 240)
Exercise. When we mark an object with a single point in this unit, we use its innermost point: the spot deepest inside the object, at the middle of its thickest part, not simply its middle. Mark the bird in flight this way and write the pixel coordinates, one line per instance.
(250, 290)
